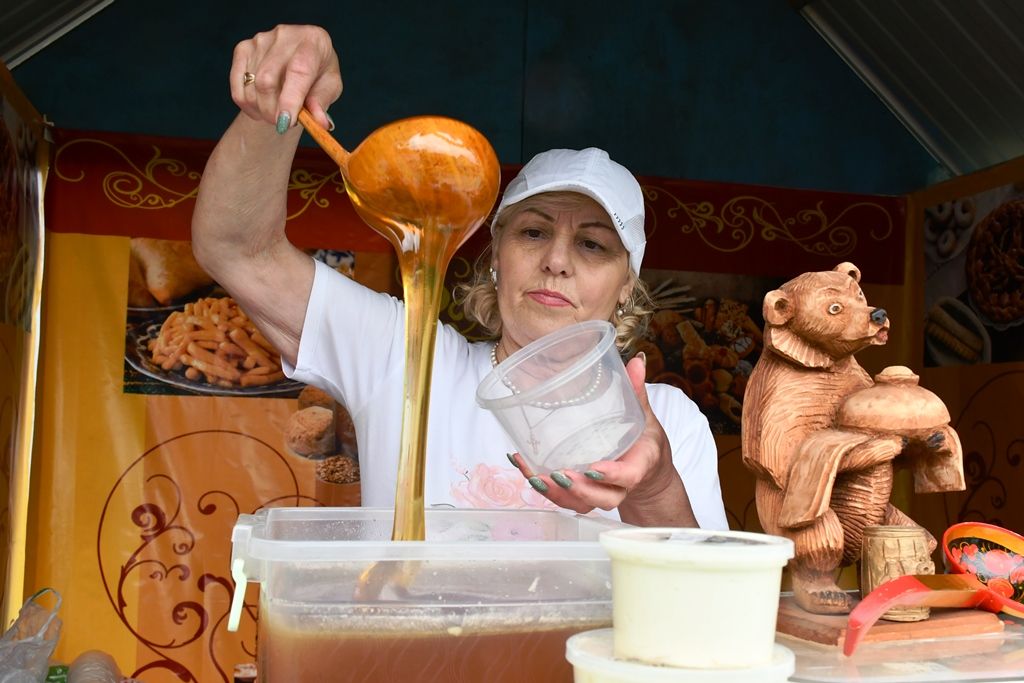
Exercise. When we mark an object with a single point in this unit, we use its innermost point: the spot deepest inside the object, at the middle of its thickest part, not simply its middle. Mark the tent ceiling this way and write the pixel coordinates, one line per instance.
(949, 69)
(27, 26)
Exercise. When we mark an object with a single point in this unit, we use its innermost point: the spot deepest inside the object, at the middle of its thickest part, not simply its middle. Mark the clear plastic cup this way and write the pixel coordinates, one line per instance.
(565, 399)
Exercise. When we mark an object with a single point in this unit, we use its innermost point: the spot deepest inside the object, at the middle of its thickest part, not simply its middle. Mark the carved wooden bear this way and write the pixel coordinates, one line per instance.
(819, 483)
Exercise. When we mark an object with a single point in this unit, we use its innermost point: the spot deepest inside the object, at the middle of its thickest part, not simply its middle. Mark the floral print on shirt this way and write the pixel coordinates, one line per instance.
(488, 486)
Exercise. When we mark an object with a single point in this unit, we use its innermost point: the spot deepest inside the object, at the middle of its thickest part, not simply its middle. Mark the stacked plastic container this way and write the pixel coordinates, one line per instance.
(688, 606)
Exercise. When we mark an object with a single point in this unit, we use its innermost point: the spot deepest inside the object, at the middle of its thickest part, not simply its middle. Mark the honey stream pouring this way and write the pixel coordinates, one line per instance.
(426, 184)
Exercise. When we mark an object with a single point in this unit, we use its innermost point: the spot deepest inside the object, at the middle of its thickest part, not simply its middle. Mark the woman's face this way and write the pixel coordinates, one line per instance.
(558, 262)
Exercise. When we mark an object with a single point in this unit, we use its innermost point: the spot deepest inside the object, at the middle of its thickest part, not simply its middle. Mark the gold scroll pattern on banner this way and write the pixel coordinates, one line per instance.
(735, 224)
(314, 189)
(162, 182)
(147, 186)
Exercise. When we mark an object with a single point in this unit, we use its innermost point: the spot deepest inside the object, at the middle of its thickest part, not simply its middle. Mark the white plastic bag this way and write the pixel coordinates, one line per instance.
(94, 666)
(25, 647)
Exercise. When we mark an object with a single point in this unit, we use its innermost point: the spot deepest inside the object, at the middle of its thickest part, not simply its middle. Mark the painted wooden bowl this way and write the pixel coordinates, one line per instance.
(994, 555)
(986, 571)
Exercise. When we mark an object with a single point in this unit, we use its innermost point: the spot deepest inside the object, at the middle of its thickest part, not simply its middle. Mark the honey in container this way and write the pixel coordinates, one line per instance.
(422, 654)
(495, 594)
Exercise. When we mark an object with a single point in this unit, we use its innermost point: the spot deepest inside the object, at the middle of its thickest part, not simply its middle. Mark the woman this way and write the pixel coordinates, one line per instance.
(568, 243)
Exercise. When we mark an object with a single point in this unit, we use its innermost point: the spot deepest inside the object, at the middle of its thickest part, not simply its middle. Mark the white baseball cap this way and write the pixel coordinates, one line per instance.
(591, 172)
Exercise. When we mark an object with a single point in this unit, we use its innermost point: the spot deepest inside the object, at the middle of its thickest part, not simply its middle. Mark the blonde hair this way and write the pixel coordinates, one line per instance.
(479, 297)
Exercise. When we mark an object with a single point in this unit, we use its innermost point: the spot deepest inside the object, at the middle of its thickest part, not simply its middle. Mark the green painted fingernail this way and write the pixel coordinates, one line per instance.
(562, 480)
(284, 120)
(593, 474)
(538, 484)
(512, 459)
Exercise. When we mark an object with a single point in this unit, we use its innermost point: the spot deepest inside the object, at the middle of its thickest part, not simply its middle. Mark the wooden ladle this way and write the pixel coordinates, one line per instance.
(426, 184)
(424, 171)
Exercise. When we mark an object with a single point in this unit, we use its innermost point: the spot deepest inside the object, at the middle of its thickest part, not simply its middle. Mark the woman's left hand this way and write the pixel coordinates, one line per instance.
(643, 482)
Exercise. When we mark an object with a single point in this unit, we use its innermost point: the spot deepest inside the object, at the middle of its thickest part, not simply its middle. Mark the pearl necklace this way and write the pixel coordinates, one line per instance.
(582, 398)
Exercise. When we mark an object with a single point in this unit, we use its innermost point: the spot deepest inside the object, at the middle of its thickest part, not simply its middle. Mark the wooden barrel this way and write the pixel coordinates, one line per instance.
(889, 552)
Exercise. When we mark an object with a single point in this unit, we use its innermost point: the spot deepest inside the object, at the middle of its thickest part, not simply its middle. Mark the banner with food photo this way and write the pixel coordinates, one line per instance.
(968, 233)
(974, 287)
(185, 335)
(23, 166)
(164, 414)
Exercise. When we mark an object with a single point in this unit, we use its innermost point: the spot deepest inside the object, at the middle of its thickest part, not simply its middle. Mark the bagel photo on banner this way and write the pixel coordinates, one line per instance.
(974, 278)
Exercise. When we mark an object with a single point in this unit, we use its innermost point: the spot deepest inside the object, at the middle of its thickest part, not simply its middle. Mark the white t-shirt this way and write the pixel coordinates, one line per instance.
(353, 347)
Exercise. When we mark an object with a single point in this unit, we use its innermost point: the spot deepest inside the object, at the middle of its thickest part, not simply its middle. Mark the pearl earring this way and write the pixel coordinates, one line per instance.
(494, 277)
(618, 312)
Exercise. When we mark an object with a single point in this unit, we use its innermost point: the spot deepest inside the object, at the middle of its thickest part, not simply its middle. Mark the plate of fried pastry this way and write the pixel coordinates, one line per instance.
(162, 276)
(208, 346)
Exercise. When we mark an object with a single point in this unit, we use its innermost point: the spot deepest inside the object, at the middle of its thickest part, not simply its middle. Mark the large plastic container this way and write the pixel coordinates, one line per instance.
(565, 399)
(491, 595)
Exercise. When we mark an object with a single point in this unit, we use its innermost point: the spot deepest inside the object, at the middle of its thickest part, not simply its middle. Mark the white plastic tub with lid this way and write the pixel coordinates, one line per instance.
(695, 598)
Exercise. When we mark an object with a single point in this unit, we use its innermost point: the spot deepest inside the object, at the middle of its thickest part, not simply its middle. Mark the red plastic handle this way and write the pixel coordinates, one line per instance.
(927, 590)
